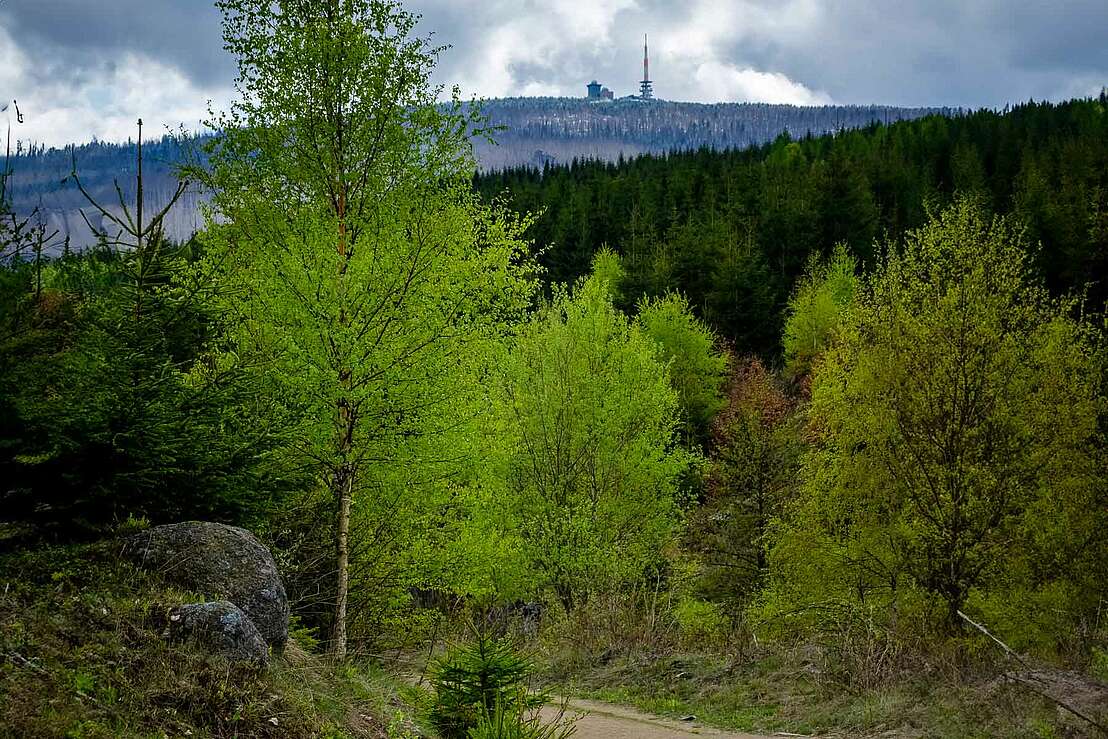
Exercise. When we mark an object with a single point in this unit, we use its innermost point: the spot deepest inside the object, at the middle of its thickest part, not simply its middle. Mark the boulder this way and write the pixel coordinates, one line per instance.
(221, 562)
(221, 628)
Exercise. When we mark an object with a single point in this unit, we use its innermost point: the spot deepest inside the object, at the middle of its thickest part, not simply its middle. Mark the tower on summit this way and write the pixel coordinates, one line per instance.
(646, 87)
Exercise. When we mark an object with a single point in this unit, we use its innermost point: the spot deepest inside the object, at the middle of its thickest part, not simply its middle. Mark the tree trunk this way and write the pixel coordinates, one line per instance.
(565, 595)
(343, 491)
(344, 474)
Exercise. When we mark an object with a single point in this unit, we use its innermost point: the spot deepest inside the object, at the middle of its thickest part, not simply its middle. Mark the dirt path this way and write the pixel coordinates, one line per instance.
(606, 721)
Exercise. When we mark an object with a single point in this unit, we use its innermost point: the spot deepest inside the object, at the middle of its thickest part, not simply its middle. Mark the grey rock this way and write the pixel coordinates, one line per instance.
(220, 562)
(221, 628)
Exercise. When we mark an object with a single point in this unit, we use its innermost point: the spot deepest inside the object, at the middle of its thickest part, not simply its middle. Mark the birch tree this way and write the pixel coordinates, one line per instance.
(356, 257)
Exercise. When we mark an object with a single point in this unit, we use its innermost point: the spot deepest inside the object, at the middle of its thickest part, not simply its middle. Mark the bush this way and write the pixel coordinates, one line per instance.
(700, 622)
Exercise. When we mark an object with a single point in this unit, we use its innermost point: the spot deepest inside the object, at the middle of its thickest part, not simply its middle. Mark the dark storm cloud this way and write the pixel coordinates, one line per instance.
(987, 52)
(911, 52)
(75, 34)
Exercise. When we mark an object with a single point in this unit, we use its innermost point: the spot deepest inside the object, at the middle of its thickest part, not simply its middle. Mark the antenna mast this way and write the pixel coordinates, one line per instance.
(646, 87)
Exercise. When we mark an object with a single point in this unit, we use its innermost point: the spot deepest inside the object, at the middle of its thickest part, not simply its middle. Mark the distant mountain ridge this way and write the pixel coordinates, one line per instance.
(534, 132)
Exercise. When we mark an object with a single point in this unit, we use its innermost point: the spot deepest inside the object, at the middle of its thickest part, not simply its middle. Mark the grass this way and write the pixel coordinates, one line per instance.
(82, 655)
(782, 692)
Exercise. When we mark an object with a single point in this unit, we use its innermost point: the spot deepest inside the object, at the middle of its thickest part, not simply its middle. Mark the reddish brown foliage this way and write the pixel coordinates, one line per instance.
(751, 389)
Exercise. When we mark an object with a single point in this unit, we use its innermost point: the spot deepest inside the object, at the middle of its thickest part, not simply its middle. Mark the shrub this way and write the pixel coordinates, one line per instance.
(699, 621)
(485, 677)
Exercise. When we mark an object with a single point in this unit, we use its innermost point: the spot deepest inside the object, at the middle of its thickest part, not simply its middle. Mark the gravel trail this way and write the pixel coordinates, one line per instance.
(606, 721)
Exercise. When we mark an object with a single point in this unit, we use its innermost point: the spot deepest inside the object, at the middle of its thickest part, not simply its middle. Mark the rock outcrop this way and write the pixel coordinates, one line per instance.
(219, 627)
(223, 563)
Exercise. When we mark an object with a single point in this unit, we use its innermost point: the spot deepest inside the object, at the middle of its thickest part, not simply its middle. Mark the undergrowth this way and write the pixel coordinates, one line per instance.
(82, 655)
(853, 685)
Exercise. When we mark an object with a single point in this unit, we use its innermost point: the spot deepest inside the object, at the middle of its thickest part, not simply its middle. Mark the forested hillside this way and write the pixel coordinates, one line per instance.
(527, 131)
(810, 437)
(536, 131)
(733, 230)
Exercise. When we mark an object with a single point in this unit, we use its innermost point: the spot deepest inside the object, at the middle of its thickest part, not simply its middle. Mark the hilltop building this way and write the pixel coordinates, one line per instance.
(598, 92)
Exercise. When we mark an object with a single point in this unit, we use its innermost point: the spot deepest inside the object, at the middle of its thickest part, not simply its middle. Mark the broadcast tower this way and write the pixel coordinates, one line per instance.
(646, 87)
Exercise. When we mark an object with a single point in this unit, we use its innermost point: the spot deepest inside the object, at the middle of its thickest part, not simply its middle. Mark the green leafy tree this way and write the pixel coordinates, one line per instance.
(956, 463)
(591, 428)
(816, 309)
(697, 369)
(356, 259)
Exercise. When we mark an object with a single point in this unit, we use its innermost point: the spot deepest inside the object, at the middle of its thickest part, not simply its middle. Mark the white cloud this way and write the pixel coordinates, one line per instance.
(720, 82)
(555, 47)
(104, 100)
(548, 40)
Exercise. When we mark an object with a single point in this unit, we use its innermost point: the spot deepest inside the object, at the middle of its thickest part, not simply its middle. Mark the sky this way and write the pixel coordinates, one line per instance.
(81, 69)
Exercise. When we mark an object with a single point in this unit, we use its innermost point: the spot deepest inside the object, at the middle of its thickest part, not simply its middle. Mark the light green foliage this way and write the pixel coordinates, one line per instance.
(607, 267)
(364, 274)
(1099, 666)
(697, 369)
(505, 723)
(816, 308)
(955, 466)
(590, 429)
(699, 621)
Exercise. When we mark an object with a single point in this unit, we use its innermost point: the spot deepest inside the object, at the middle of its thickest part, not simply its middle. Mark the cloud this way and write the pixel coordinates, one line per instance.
(720, 82)
(84, 68)
(510, 48)
(557, 46)
(184, 34)
(102, 100)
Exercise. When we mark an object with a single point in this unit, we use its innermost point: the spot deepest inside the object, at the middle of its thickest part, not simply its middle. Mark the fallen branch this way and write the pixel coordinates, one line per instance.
(19, 659)
(1026, 682)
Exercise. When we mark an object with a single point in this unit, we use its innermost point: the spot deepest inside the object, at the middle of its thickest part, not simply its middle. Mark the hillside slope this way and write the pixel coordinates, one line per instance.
(733, 230)
(82, 654)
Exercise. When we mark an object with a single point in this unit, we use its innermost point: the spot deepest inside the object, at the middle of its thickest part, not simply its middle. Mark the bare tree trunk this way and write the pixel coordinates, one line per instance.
(343, 484)
(344, 475)
(140, 255)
